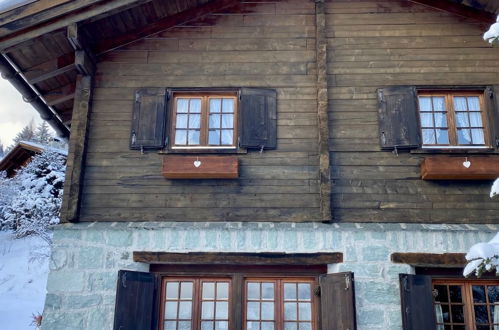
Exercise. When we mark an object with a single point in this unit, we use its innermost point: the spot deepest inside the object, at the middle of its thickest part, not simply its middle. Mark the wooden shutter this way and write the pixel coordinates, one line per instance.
(492, 104)
(417, 302)
(337, 301)
(398, 117)
(149, 119)
(134, 301)
(258, 118)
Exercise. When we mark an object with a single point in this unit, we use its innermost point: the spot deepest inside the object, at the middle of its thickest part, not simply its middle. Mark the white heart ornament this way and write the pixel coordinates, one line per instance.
(467, 164)
(197, 163)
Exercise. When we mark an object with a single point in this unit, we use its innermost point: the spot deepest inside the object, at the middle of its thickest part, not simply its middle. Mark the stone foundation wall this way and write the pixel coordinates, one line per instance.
(86, 258)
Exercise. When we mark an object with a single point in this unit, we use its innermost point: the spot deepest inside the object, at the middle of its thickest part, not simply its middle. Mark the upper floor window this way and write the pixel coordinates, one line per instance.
(452, 119)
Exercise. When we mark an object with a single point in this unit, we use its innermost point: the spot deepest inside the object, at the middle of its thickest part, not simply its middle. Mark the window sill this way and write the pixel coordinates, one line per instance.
(198, 151)
(455, 150)
(200, 167)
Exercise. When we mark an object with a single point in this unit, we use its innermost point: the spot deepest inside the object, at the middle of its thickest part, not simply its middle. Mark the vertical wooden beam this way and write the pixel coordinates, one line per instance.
(322, 111)
(77, 149)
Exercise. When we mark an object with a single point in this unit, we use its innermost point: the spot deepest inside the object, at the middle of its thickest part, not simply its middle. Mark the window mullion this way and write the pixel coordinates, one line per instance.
(451, 118)
(468, 306)
(204, 122)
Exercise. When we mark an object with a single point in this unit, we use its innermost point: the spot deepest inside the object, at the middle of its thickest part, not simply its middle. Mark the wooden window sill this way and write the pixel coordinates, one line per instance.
(460, 168)
(200, 167)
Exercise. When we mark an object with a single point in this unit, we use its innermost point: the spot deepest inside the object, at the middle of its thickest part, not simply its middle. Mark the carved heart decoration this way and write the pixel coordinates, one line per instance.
(467, 164)
(197, 163)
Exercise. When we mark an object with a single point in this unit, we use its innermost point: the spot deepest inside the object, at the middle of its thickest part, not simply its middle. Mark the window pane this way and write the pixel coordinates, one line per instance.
(462, 119)
(253, 311)
(438, 103)
(222, 290)
(182, 105)
(171, 310)
(442, 136)
(253, 325)
(208, 290)
(195, 106)
(215, 121)
(227, 137)
(184, 325)
(460, 103)
(207, 310)
(194, 121)
(222, 311)
(215, 105)
(305, 311)
(290, 326)
(477, 135)
(428, 136)
(476, 119)
(427, 119)
(481, 315)
(193, 137)
(463, 136)
(171, 290)
(290, 310)
(214, 137)
(473, 103)
(455, 293)
(493, 292)
(267, 325)
(440, 119)
(254, 290)
(458, 313)
(268, 291)
(289, 291)
(182, 121)
(221, 325)
(441, 293)
(267, 311)
(184, 311)
(170, 325)
(304, 291)
(228, 105)
(227, 121)
(305, 326)
(425, 103)
(206, 325)
(181, 137)
(186, 290)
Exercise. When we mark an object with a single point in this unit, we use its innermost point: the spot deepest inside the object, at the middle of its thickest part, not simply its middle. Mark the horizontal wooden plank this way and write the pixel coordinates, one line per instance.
(213, 258)
(429, 259)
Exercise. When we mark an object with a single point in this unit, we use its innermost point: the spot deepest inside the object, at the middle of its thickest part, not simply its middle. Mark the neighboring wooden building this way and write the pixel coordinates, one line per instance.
(233, 163)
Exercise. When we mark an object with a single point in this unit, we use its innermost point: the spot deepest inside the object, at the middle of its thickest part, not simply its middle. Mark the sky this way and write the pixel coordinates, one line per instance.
(14, 113)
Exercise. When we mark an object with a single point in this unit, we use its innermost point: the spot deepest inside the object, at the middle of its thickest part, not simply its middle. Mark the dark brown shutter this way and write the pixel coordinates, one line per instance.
(492, 103)
(149, 119)
(258, 118)
(134, 301)
(337, 301)
(417, 302)
(398, 117)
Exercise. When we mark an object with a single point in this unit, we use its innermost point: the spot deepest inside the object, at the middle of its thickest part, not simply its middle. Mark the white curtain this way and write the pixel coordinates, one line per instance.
(496, 317)
(440, 317)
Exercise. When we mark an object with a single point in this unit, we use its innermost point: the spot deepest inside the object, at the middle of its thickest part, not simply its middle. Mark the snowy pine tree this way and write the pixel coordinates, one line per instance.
(26, 134)
(42, 134)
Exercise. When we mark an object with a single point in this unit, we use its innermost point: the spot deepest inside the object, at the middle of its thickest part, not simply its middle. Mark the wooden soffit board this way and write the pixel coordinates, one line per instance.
(430, 259)
(209, 258)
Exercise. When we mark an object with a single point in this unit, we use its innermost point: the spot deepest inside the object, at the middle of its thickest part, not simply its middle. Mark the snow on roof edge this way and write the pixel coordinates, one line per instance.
(45, 147)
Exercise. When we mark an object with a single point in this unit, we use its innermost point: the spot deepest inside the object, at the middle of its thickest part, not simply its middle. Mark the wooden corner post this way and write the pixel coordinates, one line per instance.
(322, 111)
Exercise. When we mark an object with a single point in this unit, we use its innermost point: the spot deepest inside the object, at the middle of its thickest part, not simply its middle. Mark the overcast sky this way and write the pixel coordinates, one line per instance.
(14, 113)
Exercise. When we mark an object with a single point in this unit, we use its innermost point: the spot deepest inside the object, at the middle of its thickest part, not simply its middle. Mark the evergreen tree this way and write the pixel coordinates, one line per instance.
(42, 134)
(26, 134)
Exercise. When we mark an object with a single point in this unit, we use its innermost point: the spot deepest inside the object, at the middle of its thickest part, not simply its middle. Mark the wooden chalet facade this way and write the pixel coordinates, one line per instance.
(234, 164)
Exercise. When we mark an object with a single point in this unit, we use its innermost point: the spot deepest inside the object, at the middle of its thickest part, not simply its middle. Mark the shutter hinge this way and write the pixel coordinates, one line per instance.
(380, 95)
(347, 282)
(490, 93)
(134, 137)
(137, 97)
(261, 149)
(395, 151)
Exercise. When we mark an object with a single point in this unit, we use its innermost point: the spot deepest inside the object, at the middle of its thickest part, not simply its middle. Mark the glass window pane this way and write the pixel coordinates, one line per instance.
(222, 290)
(290, 310)
(289, 291)
(206, 325)
(457, 313)
(427, 119)
(181, 137)
(207, 310)
(215, 105)
(268, 291)
(267, 325)
(477, 135)
(222, 325)
(304, 291)
(267, 311)
(181, 121)
(460, 103)
(425, 103)
(184, 311)
(428, 136)
(493, 291)
(184, 325)
(194, 121)
(182, 105)
(305, 311)
(227, 121)
(222, 312)
(214, 137)
(290, 326)
(228, 105)
(254, 290)
(440, 119)
(170, 325)
(171, 290)
(442, 136)
(186, 290)
(252, 325)
(481, 315)
(455, 293)
(305, 326)
(478, 293)
(438, 103)
(473, 103)
(445, 313)
(215, 121)
(463, 136)
(462, 119)
(441, 293)
(253, 311)
(195, 106)
(227, 137)
(193, 137)
(171, 310)
(476, 119)
(208, 290)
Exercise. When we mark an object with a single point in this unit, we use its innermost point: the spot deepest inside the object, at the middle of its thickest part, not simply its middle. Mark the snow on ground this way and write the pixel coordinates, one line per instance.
(23, 280)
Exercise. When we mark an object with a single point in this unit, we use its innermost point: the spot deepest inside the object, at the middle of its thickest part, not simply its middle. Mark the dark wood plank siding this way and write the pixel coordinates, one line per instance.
(269, 45)
(387, 43)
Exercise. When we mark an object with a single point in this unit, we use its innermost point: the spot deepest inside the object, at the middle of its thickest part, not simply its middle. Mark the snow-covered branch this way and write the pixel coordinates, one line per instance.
(492, 35)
